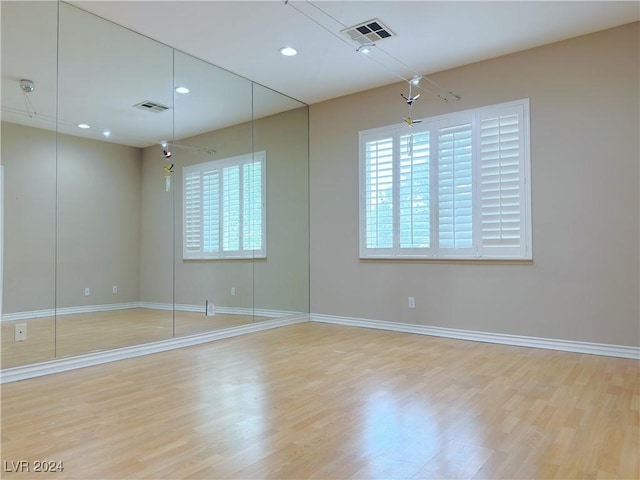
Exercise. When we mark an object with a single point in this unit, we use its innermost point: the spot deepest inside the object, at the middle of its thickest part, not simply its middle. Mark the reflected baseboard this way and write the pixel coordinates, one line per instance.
(51, 312)
(24, 372)
(258, 312)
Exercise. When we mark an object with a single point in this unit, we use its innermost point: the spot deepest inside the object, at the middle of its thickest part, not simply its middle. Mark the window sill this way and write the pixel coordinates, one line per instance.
(451, 260)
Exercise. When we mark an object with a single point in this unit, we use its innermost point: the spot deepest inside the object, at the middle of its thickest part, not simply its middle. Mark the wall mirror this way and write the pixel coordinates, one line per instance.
(134, 211)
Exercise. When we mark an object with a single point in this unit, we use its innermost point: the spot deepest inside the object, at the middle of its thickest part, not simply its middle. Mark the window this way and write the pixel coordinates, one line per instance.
(224, 208)
(453, 186)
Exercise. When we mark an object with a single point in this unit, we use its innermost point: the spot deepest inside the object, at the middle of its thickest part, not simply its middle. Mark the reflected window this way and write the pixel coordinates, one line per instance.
(224, 208)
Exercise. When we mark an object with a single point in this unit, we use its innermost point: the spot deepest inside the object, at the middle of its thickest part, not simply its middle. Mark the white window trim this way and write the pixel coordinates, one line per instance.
(260, 156)
(523, 252)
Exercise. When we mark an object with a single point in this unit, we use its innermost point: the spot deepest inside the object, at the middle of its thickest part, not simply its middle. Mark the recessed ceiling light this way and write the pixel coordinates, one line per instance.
(83, 125)
(182, 90)
(106, 133)
(288, 51)
(366, 48)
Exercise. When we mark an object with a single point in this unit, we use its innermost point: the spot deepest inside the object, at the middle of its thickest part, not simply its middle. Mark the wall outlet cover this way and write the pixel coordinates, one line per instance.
(20, 332)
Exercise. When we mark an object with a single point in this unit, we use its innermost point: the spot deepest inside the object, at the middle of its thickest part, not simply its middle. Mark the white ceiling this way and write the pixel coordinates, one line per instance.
(431, 36)
(103, 70)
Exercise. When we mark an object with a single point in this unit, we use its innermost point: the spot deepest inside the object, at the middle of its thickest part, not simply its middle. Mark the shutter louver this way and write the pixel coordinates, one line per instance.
(500, 178)
(231, 208)
(455, 222)
(192, 212)
(211, 211)
(415, 218)
(379, 194)
(252, 206)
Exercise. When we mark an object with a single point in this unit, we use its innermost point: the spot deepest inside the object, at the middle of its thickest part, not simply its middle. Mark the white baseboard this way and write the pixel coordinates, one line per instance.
(259, 312)
(515, 340)
(14, 374)
(50, 312)
(64, 364)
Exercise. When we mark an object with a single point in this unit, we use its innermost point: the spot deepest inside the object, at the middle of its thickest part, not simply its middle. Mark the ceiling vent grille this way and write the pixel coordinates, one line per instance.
(368, 32)
(150, 106)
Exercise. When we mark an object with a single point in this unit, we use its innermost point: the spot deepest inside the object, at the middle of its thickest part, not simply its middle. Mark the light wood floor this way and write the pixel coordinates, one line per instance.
(68, 335)
(325, 401)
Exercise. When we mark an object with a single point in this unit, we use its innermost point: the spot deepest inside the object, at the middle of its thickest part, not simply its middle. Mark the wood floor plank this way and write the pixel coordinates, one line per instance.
(325, 401)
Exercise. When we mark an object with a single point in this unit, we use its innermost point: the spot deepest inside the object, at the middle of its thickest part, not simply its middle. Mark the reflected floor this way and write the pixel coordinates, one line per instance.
(90, 332)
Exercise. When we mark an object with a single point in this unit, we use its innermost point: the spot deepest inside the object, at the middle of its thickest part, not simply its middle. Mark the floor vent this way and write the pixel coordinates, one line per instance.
(371, 31)
(150, 106)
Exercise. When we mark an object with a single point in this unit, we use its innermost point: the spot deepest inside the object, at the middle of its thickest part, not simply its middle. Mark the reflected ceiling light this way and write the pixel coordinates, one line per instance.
(365, 48)
(416, 80)
(182, 90)
(83, 125)
(106, 133)
(288, 51)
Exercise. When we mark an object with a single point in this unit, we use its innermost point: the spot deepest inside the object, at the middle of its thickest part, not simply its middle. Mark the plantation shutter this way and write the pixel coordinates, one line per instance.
(414, 198)
(192, 212)
(379, 193)
(454, 186)
(211, 211)
(502, 181)
(455, 221)
(231, 208)
(252, 206)
(224, 208)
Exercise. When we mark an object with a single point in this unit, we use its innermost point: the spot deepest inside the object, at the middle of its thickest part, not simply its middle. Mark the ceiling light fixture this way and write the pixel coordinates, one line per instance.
(27, 86)
(416, 80)
(365, 48)
(106, 133)
(182, 90)
(288, 51)
(83, 125)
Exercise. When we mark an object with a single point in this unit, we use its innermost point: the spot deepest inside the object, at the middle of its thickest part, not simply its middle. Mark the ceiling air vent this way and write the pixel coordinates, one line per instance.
(150, 106)
(371, 31)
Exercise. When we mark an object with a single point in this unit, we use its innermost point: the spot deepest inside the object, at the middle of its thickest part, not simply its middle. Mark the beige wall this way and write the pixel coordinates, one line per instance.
(98, 224)
(282, 280)
(96, 230)
(584, 281)
(29, 159)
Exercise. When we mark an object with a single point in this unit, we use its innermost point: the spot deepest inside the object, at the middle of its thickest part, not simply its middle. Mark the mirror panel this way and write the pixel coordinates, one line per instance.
(213, 125)
(28, 164)
(280, 128)
(104, 71)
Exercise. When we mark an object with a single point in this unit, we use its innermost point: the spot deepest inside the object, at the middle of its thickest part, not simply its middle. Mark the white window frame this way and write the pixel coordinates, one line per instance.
(194, 250)
(478, 250)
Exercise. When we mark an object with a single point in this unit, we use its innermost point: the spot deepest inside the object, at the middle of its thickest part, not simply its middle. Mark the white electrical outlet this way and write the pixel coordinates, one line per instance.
(114, 289)
(233, 290)
(211, 309)
(87, 291)
(20, 332)
(412, 302)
